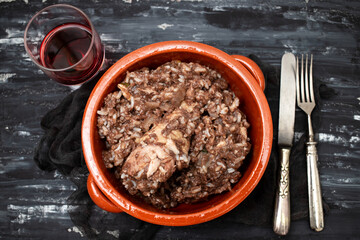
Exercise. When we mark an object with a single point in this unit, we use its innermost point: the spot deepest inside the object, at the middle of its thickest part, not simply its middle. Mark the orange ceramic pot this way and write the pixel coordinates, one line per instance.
(247, 82)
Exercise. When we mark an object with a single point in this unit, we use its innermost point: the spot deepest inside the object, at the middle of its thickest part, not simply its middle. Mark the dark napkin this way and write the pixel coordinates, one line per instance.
(60, 149)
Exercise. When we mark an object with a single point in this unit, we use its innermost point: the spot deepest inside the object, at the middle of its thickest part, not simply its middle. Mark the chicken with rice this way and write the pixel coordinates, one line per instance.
(174, 134)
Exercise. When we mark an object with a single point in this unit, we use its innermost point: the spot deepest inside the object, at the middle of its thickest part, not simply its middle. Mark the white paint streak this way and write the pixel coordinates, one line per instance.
(57, 174)
(325, 137)
(12, 41)
(115, 233)
(329, 50)
(12, 32)
(165, 26)
(341, 164)
(354, 139)
(22, 218)
(23, 133)
(9, 1)
(26, 213)
(160, 7)
(26, 57)
(291, 45)
(342, 129)
(357, 117)
(219, 9)
(5, 76)
(113, 49)
(108, 37)
(48, 187)
(76, 230)
(345, 155)
(127, 1)
(14, 37)
(343, 204)
(197, 36)
(346, 180)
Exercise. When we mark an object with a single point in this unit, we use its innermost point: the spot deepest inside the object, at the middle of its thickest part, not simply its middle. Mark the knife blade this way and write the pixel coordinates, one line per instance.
(287, 100)
(285, 138)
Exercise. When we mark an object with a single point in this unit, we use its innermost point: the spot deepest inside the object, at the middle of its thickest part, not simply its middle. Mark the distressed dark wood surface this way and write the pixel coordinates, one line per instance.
(33, 202)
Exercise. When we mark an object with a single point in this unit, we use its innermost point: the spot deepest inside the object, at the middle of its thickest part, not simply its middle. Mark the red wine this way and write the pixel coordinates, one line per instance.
(65, 46)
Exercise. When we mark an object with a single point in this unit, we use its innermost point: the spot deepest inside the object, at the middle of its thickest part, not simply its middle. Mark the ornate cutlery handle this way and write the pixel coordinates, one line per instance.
(315, 201)
(282, 199)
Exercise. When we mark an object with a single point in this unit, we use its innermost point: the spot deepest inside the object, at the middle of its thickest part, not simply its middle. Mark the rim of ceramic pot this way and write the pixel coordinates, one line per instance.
(163, 218)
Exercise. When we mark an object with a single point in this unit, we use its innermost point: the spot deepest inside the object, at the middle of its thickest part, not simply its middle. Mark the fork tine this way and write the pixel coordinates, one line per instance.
(297, 81)
(307, 99)
(311, 80)
(302, 79)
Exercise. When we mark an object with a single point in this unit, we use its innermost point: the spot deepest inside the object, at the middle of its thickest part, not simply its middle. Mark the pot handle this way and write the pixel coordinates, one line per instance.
(99, 198)
(253, 68)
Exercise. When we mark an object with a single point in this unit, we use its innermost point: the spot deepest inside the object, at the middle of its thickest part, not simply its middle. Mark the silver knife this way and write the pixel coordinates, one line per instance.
(285, 139)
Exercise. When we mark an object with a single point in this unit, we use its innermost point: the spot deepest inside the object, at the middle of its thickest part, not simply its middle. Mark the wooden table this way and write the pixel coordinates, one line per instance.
(33, 202)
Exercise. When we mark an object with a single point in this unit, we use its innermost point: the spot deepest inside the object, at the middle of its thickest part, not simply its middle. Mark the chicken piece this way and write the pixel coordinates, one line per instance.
(161, 151)
(124, 90)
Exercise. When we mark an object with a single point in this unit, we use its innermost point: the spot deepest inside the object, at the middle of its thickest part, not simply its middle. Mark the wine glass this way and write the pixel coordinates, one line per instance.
(63, 43)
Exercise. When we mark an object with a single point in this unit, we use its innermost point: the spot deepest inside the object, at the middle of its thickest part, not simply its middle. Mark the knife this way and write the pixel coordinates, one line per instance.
(285, 139)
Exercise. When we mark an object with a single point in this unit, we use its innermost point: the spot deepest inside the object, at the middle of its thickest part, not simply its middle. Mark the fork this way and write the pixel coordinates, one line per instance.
(306, 101)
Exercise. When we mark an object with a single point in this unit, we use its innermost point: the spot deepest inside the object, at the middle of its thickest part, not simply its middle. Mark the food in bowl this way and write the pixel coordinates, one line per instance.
(174, 134)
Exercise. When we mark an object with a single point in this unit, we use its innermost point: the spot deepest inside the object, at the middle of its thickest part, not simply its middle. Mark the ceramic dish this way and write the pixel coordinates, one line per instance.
(247, 82)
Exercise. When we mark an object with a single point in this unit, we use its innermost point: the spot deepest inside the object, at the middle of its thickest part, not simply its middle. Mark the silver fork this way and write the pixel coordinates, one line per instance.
(306, 101)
